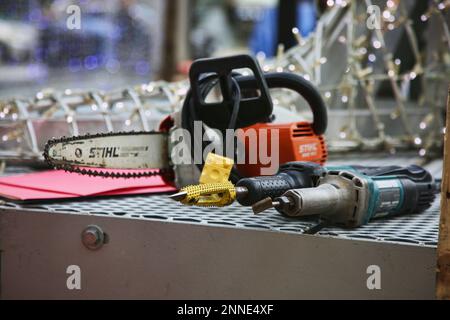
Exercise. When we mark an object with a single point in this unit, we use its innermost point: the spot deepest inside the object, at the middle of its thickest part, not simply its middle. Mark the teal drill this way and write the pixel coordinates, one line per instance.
(351, 196)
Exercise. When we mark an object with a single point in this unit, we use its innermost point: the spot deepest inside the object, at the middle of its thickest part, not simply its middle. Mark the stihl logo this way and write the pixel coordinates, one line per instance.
(308, 150)
(104, 152)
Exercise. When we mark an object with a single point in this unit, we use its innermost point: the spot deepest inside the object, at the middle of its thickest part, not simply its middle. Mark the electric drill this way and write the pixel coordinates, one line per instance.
(351, 196)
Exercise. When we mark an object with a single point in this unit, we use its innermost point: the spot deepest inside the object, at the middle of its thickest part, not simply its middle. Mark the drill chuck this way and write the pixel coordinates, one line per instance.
(311, 201)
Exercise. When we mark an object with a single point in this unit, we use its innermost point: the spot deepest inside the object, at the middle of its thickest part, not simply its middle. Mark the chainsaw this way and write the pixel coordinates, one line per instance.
(244, 103)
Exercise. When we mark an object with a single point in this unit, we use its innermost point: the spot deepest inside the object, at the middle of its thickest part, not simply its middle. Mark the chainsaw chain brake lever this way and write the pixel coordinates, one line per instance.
(252, 109)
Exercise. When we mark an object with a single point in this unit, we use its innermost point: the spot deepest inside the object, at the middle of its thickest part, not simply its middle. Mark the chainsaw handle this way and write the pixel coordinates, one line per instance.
(300, 85)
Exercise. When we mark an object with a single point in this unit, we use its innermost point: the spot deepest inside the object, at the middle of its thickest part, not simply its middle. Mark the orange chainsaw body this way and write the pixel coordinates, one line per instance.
(296, 142)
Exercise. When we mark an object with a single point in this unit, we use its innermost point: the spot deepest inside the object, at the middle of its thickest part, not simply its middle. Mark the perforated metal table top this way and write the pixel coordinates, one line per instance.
(417, 229)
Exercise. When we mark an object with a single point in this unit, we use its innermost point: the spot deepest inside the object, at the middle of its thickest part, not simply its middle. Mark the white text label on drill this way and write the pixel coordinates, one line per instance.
(74, 280)
(374, 280)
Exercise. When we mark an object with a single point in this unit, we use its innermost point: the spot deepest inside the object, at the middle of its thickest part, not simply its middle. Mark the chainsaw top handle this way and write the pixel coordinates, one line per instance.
(300, 85)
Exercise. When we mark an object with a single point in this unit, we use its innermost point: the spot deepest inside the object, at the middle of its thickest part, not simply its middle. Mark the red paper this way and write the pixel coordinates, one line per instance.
(58, 184)
(18, 193)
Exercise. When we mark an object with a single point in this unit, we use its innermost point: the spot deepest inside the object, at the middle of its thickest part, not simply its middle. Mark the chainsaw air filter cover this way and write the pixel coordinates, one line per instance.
(294, 141)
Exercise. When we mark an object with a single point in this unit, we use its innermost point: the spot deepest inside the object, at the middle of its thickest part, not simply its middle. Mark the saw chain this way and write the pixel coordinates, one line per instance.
(100, 169)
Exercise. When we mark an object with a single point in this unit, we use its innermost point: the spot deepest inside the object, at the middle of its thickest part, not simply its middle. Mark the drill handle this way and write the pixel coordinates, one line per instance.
(411, 172)
(259, 188)
(291, 175)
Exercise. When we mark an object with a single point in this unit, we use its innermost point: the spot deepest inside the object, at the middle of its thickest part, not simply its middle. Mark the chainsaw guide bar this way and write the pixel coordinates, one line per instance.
(138, 151)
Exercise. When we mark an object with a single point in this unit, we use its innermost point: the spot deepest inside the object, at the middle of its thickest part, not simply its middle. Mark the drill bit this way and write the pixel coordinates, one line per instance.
(180, 196)
(280, 203)
(264, 204)
(207, 194)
